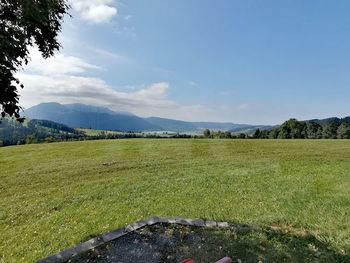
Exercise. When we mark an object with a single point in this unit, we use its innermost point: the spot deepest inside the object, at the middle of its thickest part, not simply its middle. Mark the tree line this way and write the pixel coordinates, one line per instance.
(223, 135)
(294, 129)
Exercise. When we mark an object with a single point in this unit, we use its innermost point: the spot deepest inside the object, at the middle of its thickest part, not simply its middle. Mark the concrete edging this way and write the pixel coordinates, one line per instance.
(67, 254)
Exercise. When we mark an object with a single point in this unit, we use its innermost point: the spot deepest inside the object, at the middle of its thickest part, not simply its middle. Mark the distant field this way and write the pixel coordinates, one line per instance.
(92, 132)
(53, 196)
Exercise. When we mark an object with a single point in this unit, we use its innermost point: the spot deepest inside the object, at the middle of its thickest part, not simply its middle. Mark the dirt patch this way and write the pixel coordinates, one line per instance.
(173, 243)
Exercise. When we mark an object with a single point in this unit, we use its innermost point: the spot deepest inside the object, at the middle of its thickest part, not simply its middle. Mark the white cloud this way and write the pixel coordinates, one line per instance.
(95, 11)
(64, 79)
(67, 79)
(157, 91)
(71, 89)
(106, 54)
(57, 65)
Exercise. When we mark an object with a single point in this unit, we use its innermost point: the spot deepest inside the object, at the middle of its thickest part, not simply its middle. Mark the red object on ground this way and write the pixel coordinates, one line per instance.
(188, 261)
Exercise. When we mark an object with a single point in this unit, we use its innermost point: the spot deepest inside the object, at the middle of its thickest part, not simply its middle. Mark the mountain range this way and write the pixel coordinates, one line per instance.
(101, 118)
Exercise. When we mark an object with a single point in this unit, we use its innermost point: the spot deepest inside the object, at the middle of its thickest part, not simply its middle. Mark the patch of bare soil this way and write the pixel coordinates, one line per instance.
(173, 243)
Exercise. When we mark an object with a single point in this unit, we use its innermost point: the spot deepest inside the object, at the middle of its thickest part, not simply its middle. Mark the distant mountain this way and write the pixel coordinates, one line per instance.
(183, 126)
(324, 122)
(88, 108)
(172, 125)
(251, 129)
(100, 118)
(85, 116)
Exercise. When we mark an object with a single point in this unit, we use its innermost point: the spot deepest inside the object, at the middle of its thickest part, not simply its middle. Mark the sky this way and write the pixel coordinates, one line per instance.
(241, 61)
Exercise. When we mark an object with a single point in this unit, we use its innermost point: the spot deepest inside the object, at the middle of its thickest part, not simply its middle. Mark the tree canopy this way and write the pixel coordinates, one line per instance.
(25, 23)
(322, 129)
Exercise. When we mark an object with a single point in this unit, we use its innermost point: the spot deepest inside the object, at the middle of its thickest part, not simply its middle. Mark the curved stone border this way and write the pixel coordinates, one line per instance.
(67, 254)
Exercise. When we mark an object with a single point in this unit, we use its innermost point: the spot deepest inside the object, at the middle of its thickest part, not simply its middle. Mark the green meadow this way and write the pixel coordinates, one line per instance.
(53, 196)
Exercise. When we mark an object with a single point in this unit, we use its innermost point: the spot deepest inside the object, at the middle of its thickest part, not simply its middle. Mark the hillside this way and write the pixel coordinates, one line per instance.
(85, 116)
(100, 118)
(33, 131)
(324, 122)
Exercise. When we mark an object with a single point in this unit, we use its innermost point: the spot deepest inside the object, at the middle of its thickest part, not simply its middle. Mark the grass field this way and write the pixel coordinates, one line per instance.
(53, 196)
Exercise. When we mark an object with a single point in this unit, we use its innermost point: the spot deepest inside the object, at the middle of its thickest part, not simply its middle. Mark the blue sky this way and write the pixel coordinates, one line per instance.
(251, 61)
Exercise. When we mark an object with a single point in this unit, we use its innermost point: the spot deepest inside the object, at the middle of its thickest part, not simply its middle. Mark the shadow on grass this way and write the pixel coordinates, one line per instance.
(173, 243)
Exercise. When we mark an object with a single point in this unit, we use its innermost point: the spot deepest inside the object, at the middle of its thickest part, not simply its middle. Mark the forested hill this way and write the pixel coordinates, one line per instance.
(327, 121)
(33, 131)
(331, 128)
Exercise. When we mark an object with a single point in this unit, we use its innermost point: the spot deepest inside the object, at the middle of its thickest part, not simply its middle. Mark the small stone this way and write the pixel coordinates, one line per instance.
(223, 224)
(153, 220)
(182, 221)
(113, 235)
(198, 222)
(171, 221)
(129, 228)
(210, 224)
(163, 220)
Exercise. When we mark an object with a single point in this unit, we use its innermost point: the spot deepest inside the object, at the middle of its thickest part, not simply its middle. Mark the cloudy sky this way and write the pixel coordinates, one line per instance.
(251, 61)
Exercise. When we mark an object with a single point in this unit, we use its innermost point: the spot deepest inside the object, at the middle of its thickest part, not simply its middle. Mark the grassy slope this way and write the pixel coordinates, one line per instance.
(53, 196)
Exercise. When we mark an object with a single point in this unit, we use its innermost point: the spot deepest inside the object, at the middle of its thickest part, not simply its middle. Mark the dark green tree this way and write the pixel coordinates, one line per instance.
(25, 23)
(206, 133)
(343, 131)
(314, 130)
(292, 129)
(265, 134)
(228, 135)
(221, 134)
(274, 134)
(330, 130)
(242, 136)
(257, 134)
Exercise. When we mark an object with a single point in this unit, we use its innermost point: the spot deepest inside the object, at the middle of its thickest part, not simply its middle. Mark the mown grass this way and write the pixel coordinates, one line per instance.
(53, 196)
